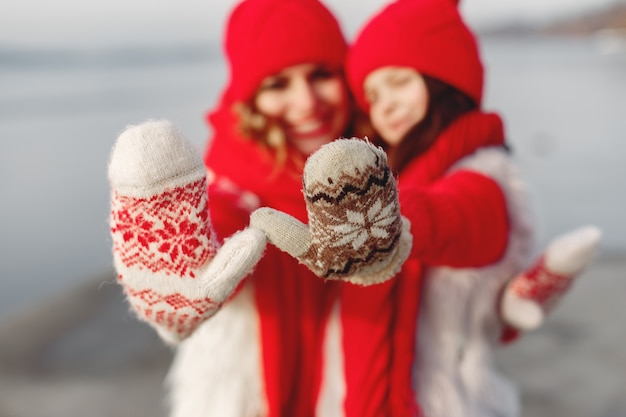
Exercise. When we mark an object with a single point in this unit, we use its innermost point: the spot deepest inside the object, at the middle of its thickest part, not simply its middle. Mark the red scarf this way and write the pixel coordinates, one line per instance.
(380, 322)
(292, 303)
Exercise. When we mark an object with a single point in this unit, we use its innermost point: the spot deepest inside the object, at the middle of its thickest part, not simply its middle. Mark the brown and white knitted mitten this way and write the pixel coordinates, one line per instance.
(173, 272)
(530, 296)
(355, 231)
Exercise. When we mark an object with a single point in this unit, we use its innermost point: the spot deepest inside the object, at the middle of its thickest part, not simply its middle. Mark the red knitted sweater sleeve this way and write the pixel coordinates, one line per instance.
(460, 220)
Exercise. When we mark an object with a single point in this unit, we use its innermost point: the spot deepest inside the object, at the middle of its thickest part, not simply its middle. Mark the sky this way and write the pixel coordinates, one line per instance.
(100, 23)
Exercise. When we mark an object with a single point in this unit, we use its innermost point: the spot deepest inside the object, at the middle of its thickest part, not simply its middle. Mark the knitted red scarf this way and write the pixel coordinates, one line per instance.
(380, 322)
(291, 302)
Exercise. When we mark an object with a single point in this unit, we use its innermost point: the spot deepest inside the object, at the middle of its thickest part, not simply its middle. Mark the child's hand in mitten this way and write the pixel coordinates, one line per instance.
(355, 231)
(173, 272)
(530, 296)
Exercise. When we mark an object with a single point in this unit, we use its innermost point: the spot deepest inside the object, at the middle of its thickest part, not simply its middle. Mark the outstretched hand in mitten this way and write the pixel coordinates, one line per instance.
(531, 295)
(355, 231)
(173, 272)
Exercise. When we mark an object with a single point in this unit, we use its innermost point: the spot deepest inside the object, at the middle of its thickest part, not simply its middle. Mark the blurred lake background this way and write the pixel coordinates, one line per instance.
(66, 335)
(563, 101)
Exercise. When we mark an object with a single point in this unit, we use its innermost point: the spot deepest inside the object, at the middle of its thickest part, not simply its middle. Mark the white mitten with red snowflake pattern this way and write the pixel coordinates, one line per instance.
(530, 296)
(173, 272)
(355, 232)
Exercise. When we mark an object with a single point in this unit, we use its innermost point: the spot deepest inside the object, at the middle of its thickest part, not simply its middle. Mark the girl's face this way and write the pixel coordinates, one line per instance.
(398, 100)
(309, 102)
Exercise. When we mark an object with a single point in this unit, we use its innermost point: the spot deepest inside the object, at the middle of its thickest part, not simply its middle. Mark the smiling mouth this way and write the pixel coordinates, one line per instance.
(311, 128)
(400, 124)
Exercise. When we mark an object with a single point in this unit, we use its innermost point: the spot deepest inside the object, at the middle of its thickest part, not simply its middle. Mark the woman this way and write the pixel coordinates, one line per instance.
(253, 346)
(286, 96)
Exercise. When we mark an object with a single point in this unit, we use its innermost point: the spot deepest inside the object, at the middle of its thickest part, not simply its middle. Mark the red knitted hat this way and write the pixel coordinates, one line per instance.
(427, 35)
(265, 36)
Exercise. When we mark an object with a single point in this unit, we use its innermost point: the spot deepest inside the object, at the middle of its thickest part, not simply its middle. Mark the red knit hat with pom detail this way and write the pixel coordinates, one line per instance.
(264, 37)
(426, 35)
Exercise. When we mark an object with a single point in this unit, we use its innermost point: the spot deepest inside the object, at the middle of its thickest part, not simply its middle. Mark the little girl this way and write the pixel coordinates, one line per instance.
(415, 67)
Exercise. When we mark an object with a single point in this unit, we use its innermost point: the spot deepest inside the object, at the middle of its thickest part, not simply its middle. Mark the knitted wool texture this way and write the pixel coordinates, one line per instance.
(263, 37)
(171, 268)
(426, 35)
(355, 231)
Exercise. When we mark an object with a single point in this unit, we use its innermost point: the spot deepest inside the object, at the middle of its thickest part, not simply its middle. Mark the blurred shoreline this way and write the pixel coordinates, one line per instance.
(85, 350)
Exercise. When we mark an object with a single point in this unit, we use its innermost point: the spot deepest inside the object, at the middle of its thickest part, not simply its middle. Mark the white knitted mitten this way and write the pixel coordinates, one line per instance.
(173, 272)
(530, 296)
(355, 231)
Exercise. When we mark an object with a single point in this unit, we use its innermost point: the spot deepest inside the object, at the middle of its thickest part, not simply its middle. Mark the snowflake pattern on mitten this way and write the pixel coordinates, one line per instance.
(354, 220)
(174, 222)
(168, 234)
(355, 231)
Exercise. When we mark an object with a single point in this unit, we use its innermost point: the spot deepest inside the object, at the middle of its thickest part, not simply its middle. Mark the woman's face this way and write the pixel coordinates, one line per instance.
(398, 100)
(309, 102)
